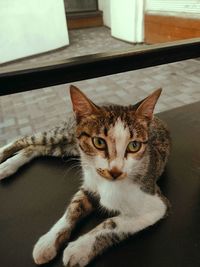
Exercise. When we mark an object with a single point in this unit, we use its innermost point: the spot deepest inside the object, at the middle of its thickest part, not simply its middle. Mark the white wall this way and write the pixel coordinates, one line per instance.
(182, 8)
(29, 27)
(127, 20)
(104, 5)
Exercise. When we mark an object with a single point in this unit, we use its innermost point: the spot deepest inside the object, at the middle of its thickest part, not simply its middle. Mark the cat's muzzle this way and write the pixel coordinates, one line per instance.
(112, 175)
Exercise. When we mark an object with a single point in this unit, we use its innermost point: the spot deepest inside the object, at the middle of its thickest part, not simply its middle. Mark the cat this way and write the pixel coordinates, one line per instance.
(123, 151)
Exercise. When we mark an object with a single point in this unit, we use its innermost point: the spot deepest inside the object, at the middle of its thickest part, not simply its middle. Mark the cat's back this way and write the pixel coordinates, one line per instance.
(159, 144)
(159, 131)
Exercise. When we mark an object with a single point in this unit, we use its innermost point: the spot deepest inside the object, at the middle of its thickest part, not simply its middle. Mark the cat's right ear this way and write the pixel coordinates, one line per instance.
(82, 105)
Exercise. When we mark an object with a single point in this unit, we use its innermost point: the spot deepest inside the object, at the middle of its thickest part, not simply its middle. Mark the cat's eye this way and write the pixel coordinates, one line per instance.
(134, 146)
(99, 143)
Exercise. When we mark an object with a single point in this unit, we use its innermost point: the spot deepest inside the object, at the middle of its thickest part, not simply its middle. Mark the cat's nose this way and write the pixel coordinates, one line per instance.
(115, 173)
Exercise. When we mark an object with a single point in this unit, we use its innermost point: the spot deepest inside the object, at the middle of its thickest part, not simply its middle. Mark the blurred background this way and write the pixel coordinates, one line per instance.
(35, 33)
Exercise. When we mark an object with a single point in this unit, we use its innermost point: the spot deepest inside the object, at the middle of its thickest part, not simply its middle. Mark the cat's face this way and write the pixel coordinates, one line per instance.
(112, 139)
(113, 145)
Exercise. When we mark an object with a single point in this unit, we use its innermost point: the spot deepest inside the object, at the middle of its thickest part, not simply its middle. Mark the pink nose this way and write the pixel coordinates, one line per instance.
(115, 173)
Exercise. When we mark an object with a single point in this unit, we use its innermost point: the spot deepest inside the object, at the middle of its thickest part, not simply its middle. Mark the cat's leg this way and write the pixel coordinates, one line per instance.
(13, 147)
(47, 246)
(64, 135)
(12, 164)
(81, 251)
(57, 142)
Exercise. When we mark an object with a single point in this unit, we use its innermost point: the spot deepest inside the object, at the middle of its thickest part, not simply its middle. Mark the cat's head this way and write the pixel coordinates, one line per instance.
(113, 139)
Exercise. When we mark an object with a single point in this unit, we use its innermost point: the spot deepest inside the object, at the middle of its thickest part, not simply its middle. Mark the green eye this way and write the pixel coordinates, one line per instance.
(99, 143)
(134, 146)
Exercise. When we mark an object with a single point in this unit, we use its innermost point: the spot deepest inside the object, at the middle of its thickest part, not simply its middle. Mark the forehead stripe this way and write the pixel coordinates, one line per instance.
(105, 131)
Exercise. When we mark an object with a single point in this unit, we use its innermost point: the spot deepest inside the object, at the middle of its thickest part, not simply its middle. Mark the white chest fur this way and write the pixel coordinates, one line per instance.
(123, 195)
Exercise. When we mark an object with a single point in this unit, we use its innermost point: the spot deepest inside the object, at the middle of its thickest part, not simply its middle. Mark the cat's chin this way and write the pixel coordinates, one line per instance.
(106, 175)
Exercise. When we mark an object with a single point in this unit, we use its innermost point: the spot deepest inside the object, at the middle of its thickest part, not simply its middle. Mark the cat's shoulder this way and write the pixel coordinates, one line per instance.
(159, 126)
(158, 122)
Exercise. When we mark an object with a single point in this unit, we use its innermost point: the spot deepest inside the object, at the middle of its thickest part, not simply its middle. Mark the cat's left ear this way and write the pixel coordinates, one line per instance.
(147, 106)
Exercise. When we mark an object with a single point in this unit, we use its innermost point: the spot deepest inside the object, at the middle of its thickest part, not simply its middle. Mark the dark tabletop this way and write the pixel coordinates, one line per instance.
(33, 199)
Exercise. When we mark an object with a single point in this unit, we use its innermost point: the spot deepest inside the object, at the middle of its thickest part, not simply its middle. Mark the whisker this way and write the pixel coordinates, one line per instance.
(75, 166)
(77, 173)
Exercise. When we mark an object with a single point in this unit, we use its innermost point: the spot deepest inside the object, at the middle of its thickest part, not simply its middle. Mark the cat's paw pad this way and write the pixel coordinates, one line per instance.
(44, 250)
(77, 254)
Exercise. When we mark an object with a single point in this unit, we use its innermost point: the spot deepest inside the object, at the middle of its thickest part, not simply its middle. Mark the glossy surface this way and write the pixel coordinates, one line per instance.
(33, 199)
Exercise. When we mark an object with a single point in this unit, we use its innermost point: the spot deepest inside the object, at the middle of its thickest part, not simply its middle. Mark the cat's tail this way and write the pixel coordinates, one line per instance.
(60, 141)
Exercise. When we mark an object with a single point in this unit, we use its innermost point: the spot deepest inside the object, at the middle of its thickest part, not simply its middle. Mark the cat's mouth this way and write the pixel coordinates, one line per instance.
(105, 173)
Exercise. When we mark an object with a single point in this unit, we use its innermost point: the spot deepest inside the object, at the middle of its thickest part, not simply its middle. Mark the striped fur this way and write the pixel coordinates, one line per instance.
(58, 142)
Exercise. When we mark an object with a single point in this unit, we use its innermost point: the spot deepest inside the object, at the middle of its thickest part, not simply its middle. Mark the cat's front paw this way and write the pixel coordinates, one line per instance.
(6, 169)
(2, 153)
(45, 249)
(77, 253)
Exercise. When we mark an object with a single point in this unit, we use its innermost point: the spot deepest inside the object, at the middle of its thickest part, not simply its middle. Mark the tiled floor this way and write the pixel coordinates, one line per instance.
(25, 113)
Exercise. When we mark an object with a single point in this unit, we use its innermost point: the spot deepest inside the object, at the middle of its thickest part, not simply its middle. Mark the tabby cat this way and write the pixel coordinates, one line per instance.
(123, 151)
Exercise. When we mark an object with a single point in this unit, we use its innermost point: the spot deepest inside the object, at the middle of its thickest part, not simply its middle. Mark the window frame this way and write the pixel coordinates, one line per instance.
(96, 65)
